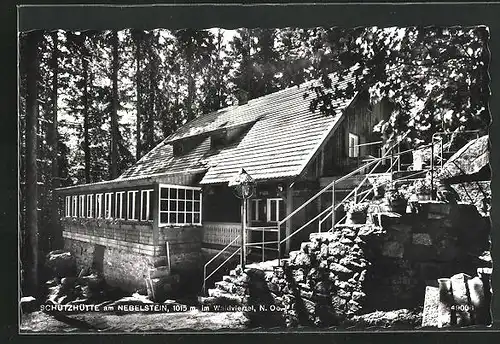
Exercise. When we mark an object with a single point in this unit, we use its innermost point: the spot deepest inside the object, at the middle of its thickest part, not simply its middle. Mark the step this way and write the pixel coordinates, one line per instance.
(159, 272)
(160, 261)
(225, 296)
(228, 287)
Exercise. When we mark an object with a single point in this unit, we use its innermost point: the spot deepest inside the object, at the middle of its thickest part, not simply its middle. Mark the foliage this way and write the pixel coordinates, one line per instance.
(394, 195)
(436, 78)
(422, 187)
(354, 207)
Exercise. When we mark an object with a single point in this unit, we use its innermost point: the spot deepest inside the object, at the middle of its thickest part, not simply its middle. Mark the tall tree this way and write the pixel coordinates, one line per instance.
(54, 136)
(435, 77)
(138, 39)
(196, 47)
(114, 107)
(32, 75)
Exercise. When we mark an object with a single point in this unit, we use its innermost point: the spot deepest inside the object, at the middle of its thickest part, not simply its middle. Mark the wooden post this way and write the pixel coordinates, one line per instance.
(432, 168)
(155, 198)
(167, 250)
(243, 230)
(399, 157)
(263, 238)
(288, 224)
(333, 205)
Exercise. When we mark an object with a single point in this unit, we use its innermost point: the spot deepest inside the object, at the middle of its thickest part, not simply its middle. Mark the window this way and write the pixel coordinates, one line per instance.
(74, 211)
(275, 209)
(131, 208)
(353, 145)
(82, 206)
(107, 205)
(98, 205)
(180, 205)
(67, 206)
(90, 206)
(258, 212)
(119, 205)
(146, 211)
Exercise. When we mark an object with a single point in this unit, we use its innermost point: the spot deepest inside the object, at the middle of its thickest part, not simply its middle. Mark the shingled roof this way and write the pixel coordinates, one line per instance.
(283, 137)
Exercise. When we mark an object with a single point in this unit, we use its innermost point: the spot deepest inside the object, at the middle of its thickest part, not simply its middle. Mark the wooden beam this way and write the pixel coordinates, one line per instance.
(155, 198)
(289, 209)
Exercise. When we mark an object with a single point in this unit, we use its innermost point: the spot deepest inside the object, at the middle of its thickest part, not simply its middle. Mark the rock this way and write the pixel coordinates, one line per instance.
(28, 304)
(346, 241)
(337, 249)
(325, 237)
(304, 247)
(324, 264)
(366, 232)
(431, 302)
(421, 239)
(400, 317)
(353, 307)
(344, 294)
(338, 268)
(459, 285)
(314, 274)
(301, 260)
(309, 306)
(53, 282)
(298, 275)
(323, 250)
(61, 264)
(338, 303)
(358, 296)
(323, 287)
(308, 294)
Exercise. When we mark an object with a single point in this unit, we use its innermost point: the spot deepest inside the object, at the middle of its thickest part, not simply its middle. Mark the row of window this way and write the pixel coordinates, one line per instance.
(111, 205)
(267, 210)
(180, 205)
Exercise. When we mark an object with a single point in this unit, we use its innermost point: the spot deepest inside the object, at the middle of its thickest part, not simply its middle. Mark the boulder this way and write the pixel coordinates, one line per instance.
(60, 264)
(28, 304)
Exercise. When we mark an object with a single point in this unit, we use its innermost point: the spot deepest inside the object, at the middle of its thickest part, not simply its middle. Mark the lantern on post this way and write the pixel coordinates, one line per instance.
(243, 186)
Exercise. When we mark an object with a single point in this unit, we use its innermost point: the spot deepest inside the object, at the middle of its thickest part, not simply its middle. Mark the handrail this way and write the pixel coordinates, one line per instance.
(350, 174)
(355, 191)
(214, 257)
(220, 266)
(367, 192)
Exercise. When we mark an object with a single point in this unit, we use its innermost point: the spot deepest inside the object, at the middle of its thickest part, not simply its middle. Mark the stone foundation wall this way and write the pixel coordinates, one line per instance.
(442, 239)
(120, 267)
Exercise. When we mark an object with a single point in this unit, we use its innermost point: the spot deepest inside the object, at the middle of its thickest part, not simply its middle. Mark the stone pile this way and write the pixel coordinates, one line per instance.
(323, 283)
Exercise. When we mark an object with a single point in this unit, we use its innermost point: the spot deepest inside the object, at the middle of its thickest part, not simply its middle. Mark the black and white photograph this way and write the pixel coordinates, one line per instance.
(293, 178)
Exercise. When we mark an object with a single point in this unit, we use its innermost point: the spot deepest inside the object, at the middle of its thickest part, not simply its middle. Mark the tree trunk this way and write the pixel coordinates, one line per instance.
(114, 110)
(86, 121)
(32, 71)
(152, 94)
(191, 90)
(139, 95)
(54, 132)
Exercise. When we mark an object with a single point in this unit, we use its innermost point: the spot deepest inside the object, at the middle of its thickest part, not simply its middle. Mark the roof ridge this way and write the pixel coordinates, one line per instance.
(252, 102)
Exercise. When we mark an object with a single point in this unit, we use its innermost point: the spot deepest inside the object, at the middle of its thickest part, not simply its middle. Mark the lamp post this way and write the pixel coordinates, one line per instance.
(243, 186)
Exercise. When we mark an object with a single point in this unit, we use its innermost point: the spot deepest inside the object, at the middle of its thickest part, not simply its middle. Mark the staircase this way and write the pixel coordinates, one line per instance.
(268, 242)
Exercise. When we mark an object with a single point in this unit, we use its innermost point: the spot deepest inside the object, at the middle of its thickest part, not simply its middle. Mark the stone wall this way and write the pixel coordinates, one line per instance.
(382, 265)
(442, 239)
(125, 264)
(120, 267)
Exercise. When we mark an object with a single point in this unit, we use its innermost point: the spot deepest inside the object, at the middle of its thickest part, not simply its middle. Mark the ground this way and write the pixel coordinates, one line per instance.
(85, 322)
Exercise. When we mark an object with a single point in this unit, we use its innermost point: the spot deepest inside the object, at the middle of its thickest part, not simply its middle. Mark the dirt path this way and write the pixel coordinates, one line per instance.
(137, 322)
